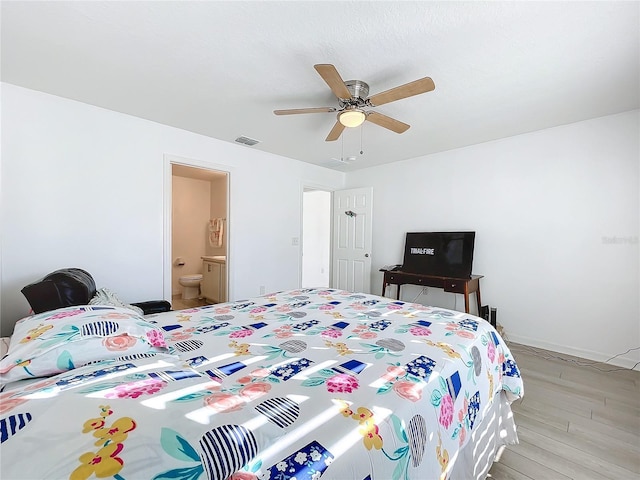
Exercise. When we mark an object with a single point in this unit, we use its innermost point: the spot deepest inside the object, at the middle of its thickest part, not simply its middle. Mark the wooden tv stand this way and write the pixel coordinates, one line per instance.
(449, 284)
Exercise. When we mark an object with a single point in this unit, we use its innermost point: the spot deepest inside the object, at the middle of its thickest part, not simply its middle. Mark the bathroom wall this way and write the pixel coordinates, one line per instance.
(219, 210)
(191, 206)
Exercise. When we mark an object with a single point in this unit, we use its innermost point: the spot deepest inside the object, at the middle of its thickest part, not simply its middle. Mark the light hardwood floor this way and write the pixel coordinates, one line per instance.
(574, 421)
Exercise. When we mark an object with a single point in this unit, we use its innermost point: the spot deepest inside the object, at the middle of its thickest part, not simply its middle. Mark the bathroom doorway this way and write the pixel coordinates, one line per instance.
(198, 235)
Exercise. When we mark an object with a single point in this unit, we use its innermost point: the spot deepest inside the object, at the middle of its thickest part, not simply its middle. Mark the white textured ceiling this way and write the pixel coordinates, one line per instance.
(221, 68)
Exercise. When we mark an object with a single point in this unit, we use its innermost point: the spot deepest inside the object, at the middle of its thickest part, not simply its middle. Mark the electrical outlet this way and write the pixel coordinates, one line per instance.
(295, 241)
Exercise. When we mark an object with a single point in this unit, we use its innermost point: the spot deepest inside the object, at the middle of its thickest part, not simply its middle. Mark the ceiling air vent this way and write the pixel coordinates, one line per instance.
(247, 141)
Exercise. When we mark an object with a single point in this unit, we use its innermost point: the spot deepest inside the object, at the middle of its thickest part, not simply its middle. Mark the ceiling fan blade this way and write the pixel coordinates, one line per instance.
(403, 91)
(387, 122)
(294, 111)
(330, 75)
(335, 132)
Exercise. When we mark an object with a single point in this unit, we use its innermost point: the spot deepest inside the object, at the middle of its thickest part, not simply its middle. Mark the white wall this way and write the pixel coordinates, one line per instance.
(556, 214)
(84, 187)
(316, 238)
(545, 206)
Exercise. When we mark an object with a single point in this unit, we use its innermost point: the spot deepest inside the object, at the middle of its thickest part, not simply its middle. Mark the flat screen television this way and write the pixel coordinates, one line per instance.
(444, 254)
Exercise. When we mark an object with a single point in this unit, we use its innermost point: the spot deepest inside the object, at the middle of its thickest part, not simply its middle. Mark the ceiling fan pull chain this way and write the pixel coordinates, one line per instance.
(361, 128)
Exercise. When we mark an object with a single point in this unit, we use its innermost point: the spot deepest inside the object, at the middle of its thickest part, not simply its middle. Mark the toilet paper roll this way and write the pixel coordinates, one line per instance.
(179, 262)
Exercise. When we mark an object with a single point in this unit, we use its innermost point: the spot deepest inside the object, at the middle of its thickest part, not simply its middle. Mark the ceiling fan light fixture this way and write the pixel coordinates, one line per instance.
(352, 118)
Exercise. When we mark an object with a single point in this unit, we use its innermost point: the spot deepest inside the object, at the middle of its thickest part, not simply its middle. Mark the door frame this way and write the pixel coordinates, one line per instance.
(167, 193)
(315, 186)
(332, 190)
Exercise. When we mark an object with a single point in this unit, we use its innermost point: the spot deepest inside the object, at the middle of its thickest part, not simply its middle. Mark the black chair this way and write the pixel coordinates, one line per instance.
(73, 286)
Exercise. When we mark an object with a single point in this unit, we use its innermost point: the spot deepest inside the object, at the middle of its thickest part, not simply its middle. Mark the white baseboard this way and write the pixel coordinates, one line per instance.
(621, 361)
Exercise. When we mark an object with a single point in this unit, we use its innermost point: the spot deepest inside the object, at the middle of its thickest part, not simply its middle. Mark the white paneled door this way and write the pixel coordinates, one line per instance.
(352, 214)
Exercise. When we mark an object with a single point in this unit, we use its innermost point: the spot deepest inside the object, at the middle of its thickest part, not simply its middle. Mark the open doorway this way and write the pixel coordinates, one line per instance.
(316, 238)
(198, 236)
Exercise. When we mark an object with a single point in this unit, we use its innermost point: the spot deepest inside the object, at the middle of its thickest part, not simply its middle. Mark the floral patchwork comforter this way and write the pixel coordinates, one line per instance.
(293, 385)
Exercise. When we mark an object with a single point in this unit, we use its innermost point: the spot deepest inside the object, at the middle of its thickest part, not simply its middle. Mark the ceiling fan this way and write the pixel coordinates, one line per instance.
(353, 99)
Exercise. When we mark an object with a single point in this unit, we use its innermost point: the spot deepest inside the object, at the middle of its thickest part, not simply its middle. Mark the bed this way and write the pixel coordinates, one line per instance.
(300, 384)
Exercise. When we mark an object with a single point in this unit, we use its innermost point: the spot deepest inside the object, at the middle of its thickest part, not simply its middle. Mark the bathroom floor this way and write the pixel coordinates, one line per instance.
(177, 303)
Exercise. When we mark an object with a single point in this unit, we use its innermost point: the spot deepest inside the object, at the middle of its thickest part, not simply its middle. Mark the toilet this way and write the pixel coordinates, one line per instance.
(190, 286)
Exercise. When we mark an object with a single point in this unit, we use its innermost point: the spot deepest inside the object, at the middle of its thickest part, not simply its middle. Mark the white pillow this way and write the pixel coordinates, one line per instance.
(59, 340)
